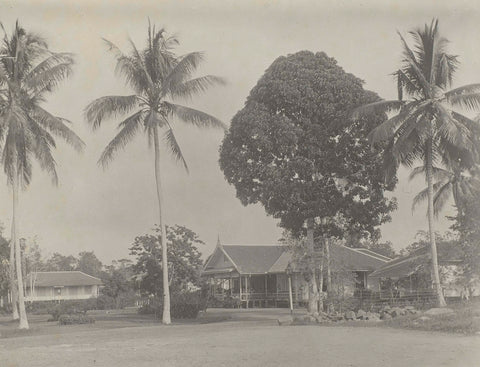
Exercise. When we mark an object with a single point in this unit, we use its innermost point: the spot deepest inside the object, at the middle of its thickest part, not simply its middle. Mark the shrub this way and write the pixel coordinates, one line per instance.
(75, 319)
(71, 307)
(105, 302)
(182, 306)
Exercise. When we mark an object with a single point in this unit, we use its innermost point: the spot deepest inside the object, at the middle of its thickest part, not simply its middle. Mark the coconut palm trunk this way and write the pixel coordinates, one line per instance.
(313, 295)
(18, 261)
(13, 284)
(166, 291)
(433, 245)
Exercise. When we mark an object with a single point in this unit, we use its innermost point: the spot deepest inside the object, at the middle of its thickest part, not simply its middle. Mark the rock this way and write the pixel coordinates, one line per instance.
(409, 308)
(385, 316)
(287, 320)
(423, 318)
(397, 311)
(362, 315)
(438, 311)
(350, 315)
(309, 318)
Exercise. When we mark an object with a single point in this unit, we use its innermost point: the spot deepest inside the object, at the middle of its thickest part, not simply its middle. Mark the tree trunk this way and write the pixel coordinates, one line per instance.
(166, 289)
(433, 246)
(13, 283)
(18, 256)
(329, 270)
(329, 276)
(312, 281)
(320, 278)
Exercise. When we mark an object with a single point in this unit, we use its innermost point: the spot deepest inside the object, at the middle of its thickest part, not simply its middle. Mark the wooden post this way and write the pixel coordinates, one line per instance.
(240, 289)
(246, 289)
(266, 286)
(290, 297)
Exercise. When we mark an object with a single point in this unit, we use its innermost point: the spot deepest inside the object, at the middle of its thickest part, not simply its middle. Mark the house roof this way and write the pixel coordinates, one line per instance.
(262, 259)
(253, 259)
(356, 259)
(61, 279)
(407, 265)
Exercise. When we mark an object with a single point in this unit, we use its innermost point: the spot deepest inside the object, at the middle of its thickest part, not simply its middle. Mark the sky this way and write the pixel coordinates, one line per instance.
(104, 210)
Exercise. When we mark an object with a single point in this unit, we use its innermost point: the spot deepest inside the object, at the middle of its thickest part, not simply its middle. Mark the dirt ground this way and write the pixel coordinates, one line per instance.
(248, 339)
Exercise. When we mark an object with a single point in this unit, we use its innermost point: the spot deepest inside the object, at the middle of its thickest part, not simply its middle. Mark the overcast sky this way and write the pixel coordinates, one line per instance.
(99, 210)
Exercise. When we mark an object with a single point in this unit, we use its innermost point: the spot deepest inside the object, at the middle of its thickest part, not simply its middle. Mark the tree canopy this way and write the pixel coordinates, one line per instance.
(184, 262)
(294, 149)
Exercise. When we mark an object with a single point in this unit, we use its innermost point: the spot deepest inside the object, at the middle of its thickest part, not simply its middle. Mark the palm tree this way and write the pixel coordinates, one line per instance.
(28, 72)
(426, 127)
(157, 76)
(463, 186)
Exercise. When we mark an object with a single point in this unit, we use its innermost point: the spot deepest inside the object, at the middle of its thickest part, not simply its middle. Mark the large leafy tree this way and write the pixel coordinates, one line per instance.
(427, 126)
(294, 149)
(89, 263)
(28, 72)
(157, 77)
(184, 260)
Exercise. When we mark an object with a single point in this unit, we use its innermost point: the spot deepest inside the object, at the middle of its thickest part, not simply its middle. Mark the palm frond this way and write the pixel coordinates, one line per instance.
(128, 68)
(41, 145)
(376, 108)
(195, 117)
(423, 195)
(413, 67)
(441, 196)
(130, 127)
(469, 101)
(182, 71)
(51, 71)
(465, 89)
(192, 87)
(56, 126)
(437, 172)
(109, 106)
(452, 130)
(174, 147)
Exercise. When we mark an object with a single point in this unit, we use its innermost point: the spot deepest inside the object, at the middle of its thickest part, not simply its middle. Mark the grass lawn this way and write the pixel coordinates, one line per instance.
(464, 320)
(243, 338)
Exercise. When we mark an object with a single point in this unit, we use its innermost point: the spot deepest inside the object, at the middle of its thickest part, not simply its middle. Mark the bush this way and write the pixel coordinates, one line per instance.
(182, 306)
(75, 319)
(105, 302)
(71, 307)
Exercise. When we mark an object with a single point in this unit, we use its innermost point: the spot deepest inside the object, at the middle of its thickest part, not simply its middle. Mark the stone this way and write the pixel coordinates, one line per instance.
(309, 318)
(439, 311)
(385, 316)
(350, 315)
(423, 318)
(362, 315)
(287, 320)
(396, 311)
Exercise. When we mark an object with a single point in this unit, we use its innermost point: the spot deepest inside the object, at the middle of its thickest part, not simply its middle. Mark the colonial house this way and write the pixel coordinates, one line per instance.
(263, 275)
(61, 285)
(409, 276)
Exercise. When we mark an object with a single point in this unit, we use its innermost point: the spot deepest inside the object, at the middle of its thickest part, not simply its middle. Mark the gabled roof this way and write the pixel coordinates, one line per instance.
(356, 259)
(407, 265)
(262, 259)
(61, 279)
(253, 259)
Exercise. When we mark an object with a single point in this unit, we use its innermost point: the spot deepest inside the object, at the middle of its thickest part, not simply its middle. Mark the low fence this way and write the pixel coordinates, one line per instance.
(420, 297)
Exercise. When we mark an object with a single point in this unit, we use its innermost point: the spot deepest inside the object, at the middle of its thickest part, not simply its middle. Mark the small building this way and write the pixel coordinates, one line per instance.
(61, 285)
(263, 275)
(410, 276)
